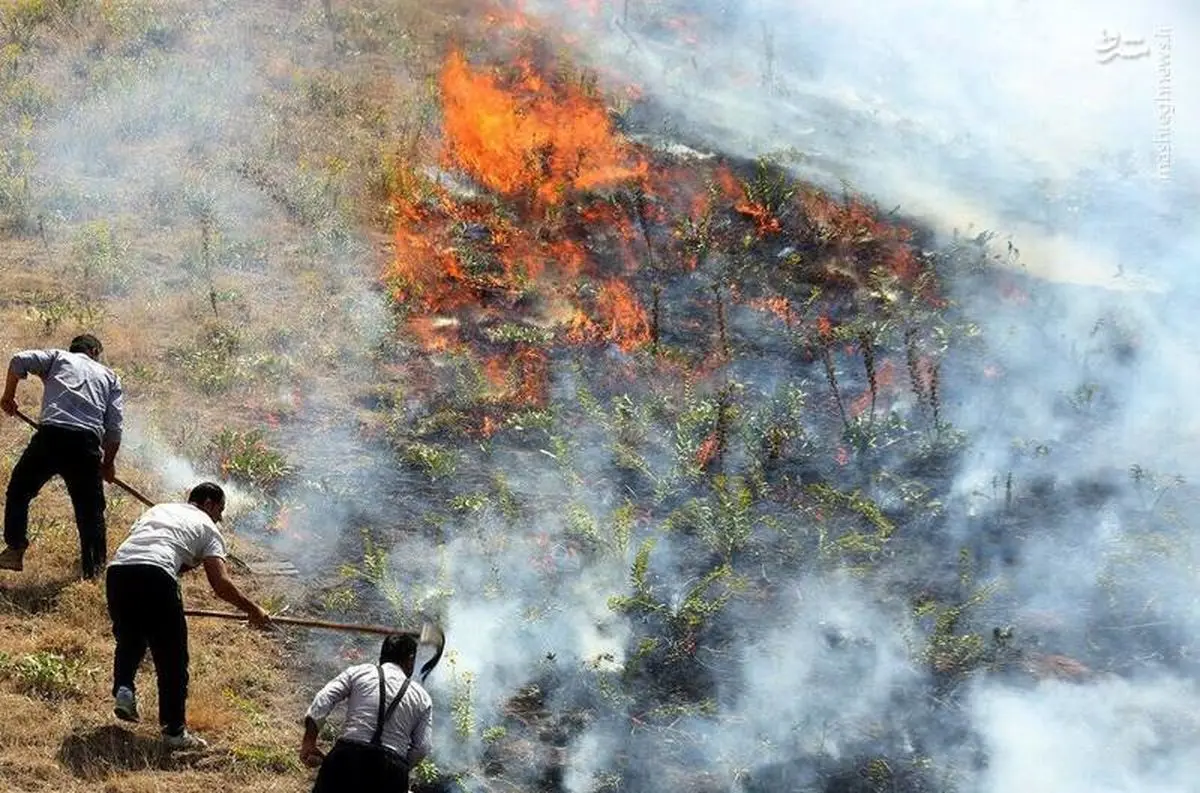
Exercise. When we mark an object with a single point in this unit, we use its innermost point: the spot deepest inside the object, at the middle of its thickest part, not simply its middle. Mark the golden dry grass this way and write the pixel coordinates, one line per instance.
(243, 695)
(72, 743)
(248, 690)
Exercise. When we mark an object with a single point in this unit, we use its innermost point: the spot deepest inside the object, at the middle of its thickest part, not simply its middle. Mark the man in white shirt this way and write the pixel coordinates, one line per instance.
(146, 606)
(78, 435)
(387, 727)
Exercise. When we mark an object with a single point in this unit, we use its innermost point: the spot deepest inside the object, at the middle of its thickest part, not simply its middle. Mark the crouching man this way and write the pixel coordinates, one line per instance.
(146, 606)
(389, 718)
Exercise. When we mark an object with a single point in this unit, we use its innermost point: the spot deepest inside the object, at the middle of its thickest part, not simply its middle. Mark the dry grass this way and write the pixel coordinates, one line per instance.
(340, 112)
(242, 695)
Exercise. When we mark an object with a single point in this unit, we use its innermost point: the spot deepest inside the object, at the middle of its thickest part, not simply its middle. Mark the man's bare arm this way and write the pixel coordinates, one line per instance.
(8, 402)
(222, 585)
(310, 754)
(109, 464)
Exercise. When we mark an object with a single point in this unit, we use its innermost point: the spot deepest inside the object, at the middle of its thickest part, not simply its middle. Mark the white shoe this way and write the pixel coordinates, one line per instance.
(12, 559)
(184, 740)
(125, 705)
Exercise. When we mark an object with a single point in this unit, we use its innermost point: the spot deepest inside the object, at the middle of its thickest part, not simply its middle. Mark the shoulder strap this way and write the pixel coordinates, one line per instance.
(386, 711)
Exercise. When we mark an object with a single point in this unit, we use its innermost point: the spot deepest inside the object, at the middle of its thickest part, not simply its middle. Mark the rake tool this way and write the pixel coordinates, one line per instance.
(258, 568)
(429, 635)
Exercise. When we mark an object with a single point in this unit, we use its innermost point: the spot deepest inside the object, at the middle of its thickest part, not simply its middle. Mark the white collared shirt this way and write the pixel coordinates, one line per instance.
(407, 732)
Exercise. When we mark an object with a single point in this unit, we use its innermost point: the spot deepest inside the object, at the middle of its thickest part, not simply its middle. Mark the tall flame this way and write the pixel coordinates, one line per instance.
(530, 137)
(589, 215)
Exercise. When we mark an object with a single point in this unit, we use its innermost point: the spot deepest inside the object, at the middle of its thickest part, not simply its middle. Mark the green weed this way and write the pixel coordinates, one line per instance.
(436, 461)
(271, 759)
(46, 675)
(100, 259)
(246, 457)
(211, 364)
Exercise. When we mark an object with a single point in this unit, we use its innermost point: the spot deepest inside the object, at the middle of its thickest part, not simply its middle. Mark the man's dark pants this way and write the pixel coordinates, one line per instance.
(361, 768)
(146, 608)
(75, 456)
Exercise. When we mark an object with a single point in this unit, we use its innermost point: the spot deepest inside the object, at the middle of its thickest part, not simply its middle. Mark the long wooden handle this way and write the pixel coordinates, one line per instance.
(116, 481)
(429, 634)
(337, 626)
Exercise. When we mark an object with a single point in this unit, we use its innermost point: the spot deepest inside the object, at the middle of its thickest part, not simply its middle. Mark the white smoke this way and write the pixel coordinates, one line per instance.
(983, 115)
(1115, 735)
(1069, 130)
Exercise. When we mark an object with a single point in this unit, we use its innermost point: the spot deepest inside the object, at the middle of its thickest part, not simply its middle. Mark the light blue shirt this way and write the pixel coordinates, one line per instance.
(79, 392)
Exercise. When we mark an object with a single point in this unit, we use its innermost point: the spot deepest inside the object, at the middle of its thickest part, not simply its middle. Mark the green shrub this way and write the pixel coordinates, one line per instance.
(101, 259)
(246, 457)
(46, 675)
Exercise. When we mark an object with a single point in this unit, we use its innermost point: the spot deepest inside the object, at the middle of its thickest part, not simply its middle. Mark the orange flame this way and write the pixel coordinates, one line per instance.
(620, 319)
(764, 221)
(462, 256)
(707, 451)
(530, 138)
(778, 305)
(520, 379)
(623, 318)
(885, 377)
(531, 369)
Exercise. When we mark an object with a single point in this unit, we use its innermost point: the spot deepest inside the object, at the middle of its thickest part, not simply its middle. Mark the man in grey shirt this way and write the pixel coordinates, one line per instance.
(389, 718)
(77, 438)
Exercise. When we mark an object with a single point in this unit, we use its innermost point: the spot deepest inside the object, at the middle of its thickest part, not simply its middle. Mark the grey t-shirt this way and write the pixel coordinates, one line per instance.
(79, 392)
(175, 537)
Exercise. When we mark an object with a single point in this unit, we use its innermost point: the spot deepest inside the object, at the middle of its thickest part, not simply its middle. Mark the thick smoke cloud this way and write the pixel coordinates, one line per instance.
(961, 114)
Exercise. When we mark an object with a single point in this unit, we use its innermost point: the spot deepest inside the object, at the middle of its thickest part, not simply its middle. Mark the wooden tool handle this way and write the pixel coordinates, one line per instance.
(127, 488)
(309, 623)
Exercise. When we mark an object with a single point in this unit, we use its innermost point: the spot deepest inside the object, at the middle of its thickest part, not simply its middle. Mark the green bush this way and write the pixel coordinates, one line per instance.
(101, 260)
(45, 675)
(246, 457)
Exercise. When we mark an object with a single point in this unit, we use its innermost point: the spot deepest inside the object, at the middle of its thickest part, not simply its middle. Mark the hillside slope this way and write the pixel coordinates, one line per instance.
(192, 182)
(713, 476)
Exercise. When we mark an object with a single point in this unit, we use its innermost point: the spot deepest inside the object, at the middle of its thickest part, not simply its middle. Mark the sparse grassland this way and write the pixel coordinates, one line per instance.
(203, 186)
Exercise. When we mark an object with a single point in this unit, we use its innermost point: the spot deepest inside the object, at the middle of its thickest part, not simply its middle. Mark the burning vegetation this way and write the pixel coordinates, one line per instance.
(663, 437)
(691, 350)
(670, 397)
(543, 228)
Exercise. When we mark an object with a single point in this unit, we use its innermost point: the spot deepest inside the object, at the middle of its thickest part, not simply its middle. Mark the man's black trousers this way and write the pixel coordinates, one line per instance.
(361, 768)
(75, 456)
(147, 611)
